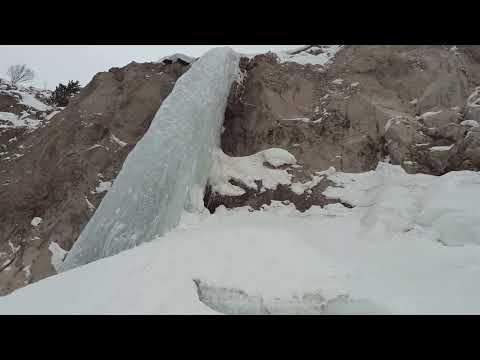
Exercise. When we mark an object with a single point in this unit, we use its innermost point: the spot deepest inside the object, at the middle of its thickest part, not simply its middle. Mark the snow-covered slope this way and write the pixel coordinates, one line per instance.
(389, 254)
(28, 106)
(167, 170)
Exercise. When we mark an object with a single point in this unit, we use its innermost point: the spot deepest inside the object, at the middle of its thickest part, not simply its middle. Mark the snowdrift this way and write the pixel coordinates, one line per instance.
(390, 254)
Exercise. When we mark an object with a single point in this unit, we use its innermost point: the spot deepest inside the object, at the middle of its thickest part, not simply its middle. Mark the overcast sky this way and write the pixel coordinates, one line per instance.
(55, 64)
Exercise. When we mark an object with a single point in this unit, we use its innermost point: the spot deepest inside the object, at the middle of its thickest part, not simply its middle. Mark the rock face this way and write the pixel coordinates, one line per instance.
(408, 104)
(67, 166)
(372, 101)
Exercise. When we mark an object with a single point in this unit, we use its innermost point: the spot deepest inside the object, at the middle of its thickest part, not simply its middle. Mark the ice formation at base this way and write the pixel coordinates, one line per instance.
(166, 172)
(402, 249)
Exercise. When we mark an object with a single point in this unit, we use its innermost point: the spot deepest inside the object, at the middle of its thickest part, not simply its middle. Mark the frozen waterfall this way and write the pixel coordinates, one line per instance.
(167, 170)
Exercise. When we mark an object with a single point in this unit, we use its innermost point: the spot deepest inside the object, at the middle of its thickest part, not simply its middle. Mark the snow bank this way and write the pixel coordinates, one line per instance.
(449, 207)
(325, 260)
(398, 202)
(248, 169)
(167, 170)
(31, 101)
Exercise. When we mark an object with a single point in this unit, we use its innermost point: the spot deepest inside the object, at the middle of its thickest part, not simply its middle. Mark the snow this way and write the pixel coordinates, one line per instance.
(175, 57)
(89, 205)
(12, 247)
(430, 114)
(338, 81)
(305, 57)
(36, 221)
(58, 255)
(103, 186)
(300, 188)
(297, 49)
(278, 157)
(386, 255)
(96, 146)
(30, 100)
(247, 170)
(18, 121)
(167, 170)
(28, 273)
(403, 201)
(471, 123)
(52, 114)
(441, 148)
(117, 140)
(454, 216)
(25, 96)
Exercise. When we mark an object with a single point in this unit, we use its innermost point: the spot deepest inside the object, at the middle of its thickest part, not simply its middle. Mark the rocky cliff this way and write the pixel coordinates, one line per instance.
(417, 106)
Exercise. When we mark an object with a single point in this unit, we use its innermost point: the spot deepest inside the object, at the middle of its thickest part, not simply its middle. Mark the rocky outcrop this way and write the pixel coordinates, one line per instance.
(66, 167)
(405, 104)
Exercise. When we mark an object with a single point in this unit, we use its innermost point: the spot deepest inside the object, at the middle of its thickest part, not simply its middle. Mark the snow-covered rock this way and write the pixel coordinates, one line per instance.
(36, 221)
(314, 55)
(249, 169)
(58, 255)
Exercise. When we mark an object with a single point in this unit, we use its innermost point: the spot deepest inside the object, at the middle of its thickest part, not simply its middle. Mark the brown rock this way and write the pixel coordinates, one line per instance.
(64, 162)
